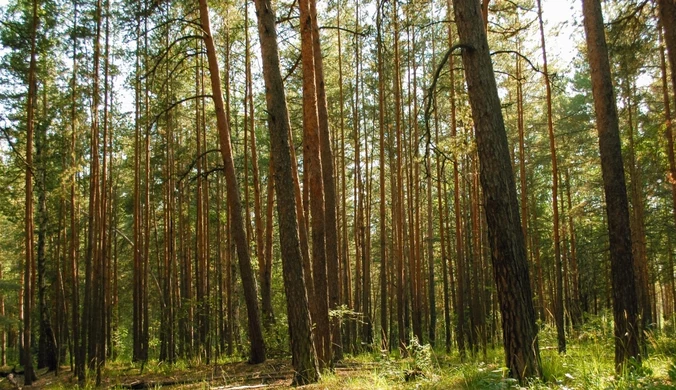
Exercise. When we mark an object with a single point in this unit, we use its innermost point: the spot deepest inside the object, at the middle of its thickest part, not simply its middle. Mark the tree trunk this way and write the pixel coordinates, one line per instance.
(167, 349)
(397, 191)
(266, 271)
(92, 313)
(508, 253)
(46, 342)
(313, 170)
(28, 219)
(76, 363)
(346, 293)
(460, 255)
(268, 316)
(637, 224)
(558, 305)
(257, 352)
(384, 331)
(667, 14)
(136, 296)
(625, 304)
(304, 358)
(330, 216)
(576, 311)
(668, 129)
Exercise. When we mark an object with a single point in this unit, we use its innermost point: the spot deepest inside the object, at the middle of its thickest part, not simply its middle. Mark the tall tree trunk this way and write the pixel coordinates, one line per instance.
(266, 271)
(668, 129)
(136, 317)
(92, 312)
(304, 358)
(441, 199)
(145, 259)
(397, 190)
(625, 303)
(257, 352)
(28, 218)
(459, 246)
(576, 311)
(558, 305)
(328, 171)
(46, 342)
(477, 311)
(313, 168)
(667, 14)
(430, 254)
(105, 223)
(267, 313)
(637, 223)
(414, 190)
(346, 293)
(384, 331)
(508, 253)
(228, 283)
(76, 364)
(522, 161)
(167, 349)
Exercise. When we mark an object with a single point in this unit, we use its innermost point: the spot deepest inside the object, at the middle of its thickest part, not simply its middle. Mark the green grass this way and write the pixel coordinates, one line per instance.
(588, 364)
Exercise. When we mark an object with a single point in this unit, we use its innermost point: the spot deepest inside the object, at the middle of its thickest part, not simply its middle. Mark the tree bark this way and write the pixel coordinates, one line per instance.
(558, 305)
(266, 271)
(28, 217)
(268, 316)
(384, 331)
(46, 342)
(330, 214)
(508, 253)
(304, 358)
(76, 364)
(257, 352)
(668, 128)
(398, 192)
(637, 224)
(667, 14)
(313, 170)
(625, 302)
(459, 246)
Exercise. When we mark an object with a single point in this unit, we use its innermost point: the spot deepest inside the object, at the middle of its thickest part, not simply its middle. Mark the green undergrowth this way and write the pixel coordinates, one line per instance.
(587, 364)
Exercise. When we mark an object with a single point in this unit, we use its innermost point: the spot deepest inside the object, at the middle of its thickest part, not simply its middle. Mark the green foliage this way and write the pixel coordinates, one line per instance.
(277, 339)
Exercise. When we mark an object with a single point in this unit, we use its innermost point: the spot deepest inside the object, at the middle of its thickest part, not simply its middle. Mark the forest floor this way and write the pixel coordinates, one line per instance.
(588, 364)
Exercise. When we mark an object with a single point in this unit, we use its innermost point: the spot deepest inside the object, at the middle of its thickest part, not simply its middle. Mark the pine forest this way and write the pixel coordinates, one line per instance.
(361, 194)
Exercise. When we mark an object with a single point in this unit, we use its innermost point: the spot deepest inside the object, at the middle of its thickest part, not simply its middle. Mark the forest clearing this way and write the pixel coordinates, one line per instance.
(337, 194)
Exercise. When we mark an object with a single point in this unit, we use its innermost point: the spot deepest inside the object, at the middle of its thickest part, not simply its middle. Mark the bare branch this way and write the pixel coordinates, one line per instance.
(192, 164)
(433, 86)
(292, 69)
(18, 154)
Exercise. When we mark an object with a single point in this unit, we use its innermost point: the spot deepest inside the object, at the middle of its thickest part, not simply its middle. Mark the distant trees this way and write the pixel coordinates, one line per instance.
(126, 236)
